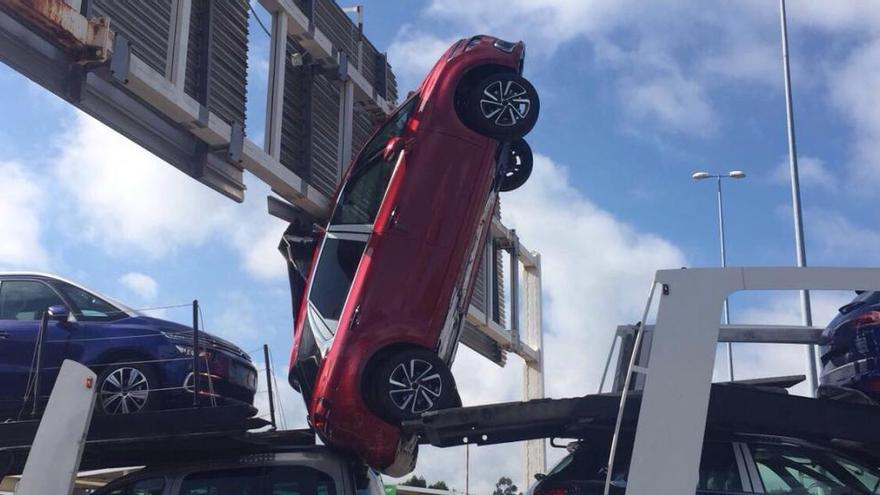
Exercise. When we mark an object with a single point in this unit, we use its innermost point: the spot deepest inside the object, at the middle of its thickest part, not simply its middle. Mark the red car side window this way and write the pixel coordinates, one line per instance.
(332, 280)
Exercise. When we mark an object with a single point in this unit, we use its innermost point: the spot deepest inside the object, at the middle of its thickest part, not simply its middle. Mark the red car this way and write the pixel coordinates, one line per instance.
(390, 280)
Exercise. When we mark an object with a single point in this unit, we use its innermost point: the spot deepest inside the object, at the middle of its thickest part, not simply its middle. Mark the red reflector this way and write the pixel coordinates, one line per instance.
(870, 318)
(90, 382)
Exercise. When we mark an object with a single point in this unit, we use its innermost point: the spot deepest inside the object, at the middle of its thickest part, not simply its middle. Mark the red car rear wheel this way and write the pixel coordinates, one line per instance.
(412, 382)
(518, 168)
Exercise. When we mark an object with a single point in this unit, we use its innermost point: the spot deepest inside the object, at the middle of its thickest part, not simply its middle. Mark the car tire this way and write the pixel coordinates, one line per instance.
(410, 383)
(126, 388)
(518, 167)
(502, 106)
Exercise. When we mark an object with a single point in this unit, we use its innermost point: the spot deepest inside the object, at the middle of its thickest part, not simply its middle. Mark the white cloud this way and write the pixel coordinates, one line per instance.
(840, 239)
(596, 272)
(853, 88)
(412, 53)
(667, 59)
(255, 234)
(141, 284)
(128, 201)
(675, 103)
(21, 204)
(812, 172)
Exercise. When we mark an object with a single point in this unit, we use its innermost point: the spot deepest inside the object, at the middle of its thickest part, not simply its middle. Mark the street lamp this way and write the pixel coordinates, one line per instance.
(806, 310)
(733, 174)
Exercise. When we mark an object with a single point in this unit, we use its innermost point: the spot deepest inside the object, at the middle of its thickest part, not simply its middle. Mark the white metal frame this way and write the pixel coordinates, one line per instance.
(675, 398)
(54, 457)
(525, 335)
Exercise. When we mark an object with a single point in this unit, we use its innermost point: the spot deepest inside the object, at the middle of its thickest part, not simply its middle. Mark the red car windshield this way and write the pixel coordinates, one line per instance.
(362, 195)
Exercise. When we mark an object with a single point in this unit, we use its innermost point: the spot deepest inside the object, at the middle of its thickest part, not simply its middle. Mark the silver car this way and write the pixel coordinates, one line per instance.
(307, 471)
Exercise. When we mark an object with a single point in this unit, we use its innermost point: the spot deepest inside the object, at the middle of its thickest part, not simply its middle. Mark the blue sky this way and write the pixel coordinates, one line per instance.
(635, 97)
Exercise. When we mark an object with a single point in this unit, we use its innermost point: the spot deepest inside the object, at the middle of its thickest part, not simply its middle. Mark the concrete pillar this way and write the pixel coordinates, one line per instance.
(534, 451)
(275, 93)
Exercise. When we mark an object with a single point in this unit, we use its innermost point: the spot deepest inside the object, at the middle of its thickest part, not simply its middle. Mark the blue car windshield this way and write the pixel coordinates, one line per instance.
(89, 307)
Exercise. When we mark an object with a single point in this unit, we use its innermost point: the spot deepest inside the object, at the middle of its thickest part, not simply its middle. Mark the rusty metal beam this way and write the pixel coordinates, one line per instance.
(83, 40)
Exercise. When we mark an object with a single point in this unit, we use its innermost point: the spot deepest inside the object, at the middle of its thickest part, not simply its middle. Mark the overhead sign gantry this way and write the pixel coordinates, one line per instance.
(171, 75)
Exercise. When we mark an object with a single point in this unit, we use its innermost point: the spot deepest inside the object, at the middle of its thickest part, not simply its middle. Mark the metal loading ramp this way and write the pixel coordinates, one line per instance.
(755, 408)
(154, 437)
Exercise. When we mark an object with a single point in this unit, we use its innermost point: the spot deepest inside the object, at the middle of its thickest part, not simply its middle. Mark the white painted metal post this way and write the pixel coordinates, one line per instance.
(275, 93)
(54, 457)
(178, 43)
(534, 451)
(346, 121)
(806, 311)
(675, 399)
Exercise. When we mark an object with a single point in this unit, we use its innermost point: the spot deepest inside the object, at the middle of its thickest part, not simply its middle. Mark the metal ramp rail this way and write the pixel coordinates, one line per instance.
(144, 438)
(751, 407)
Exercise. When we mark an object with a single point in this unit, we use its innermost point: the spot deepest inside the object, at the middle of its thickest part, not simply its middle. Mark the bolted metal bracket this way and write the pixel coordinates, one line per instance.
(236, 143)
(121, 59)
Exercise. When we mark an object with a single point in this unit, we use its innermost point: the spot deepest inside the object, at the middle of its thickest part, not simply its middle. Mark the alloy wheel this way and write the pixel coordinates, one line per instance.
(124, 391)
(415, 386)
(505, 103)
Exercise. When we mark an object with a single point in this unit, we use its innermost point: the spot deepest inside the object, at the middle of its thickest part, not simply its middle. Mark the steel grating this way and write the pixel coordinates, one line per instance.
(324, 172)
(227, 57)
(295, 129)
(147, 25)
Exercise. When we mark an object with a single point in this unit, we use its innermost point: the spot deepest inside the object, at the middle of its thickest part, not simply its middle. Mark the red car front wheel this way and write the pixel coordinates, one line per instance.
(502, 106)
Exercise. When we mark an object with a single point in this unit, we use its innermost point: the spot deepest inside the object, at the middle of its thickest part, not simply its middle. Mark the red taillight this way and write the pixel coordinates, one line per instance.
(871, 318)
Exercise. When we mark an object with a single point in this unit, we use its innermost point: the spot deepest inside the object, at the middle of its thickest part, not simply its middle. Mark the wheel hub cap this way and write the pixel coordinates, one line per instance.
(124, 391)
(505, 103)
(415, 386)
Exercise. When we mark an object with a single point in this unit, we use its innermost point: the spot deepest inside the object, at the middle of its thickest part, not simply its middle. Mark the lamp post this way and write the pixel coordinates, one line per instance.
(806, 312)
(733, 174)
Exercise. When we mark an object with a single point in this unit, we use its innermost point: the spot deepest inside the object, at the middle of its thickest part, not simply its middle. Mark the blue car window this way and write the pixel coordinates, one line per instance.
(25, 299)
(89, 307)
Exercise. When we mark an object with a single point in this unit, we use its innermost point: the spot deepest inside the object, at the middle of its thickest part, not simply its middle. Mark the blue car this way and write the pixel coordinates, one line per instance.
(142, 363)
(850, 353)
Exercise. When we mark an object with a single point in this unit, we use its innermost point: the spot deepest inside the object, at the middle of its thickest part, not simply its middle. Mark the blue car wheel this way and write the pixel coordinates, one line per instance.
(126, 389)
